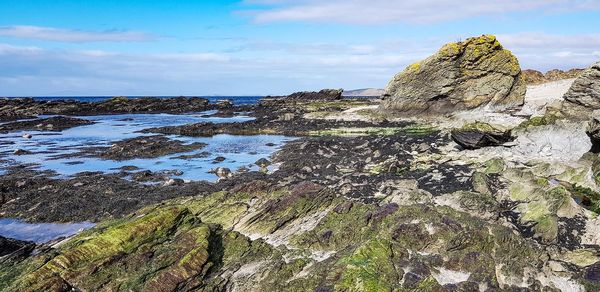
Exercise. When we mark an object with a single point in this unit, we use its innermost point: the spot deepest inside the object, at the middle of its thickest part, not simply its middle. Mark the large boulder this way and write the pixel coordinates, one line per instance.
(585, 91)
(460, 76)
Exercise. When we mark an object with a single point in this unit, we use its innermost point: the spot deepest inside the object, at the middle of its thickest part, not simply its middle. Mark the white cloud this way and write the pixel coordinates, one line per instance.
(544, 51)
(75, 36)
(263, 67)
(389, 11)
(62, 72)
(545, 41)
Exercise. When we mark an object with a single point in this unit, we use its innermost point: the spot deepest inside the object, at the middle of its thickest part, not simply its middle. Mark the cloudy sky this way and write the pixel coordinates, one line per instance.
(256, 47)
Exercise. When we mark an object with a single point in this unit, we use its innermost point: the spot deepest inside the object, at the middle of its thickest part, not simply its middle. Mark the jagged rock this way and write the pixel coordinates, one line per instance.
(221, 172)
(224, 103)
(20, 152)
(19, 108)
(556, 74)
(15, 248)
(303, 96)
(479, 135)
(55, 124)
(324, 94)
(585, 91)
(533, 77)
(263, 162)
(465, 75)
(593, 131)
(303, 239)
(143, 147)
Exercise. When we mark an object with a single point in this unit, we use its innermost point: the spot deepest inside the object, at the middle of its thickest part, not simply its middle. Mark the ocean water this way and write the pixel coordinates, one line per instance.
(48, 148)
(238, 100)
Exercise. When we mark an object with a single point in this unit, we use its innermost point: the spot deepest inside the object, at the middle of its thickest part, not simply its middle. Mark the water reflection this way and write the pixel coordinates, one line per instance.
(39, 232)
(45, 147)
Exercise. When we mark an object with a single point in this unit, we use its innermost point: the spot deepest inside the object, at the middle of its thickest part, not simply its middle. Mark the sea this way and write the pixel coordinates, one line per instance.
(238, 100)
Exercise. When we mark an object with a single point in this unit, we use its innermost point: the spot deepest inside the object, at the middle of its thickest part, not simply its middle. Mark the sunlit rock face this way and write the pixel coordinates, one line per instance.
(585, 90)
(477, 72)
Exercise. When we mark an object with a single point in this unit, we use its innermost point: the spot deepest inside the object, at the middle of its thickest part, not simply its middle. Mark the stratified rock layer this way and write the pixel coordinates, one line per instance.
(585, 91)
(465, 75)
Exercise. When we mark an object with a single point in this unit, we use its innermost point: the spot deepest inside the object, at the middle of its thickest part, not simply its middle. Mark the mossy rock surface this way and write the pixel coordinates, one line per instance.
(302, 238)
(464, 75)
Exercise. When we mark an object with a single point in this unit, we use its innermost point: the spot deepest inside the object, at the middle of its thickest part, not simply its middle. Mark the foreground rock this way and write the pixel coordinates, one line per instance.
(475, 73)
(55, 124)
(301, 238)
(479, 135)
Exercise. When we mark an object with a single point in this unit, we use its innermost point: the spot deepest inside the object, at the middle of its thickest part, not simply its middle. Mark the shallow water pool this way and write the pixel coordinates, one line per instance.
(48, 148)
(39, 232)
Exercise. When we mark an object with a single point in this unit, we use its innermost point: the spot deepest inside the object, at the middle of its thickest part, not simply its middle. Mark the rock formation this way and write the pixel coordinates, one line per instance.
(585, 91)
(479, 135)
(534, 77)
(460, 76)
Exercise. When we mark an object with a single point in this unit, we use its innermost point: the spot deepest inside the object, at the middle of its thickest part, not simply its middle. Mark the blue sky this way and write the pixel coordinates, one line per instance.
(257, 47)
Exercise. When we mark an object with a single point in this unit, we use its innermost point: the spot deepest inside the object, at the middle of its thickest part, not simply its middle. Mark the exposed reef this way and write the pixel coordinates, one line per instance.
(19, 108)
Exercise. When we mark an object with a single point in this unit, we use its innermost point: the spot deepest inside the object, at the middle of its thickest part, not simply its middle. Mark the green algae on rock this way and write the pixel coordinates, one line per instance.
(460, 76)
(298, 239)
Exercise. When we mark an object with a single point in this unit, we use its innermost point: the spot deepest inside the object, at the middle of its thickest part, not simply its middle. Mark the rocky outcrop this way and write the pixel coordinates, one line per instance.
(593, 131)
(479, 135)
(18, 108)
(55, 124)
(299, 239)
(324, 94)
(460, 76)
(306, 96)
(534, 77)
(585, 91)
(556, 74)
(14, 249)
(142, 147)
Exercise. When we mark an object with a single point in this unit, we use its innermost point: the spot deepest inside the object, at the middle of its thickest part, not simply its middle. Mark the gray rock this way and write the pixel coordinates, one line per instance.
(224, 103)
(585, 91)
(460, 76)
(221, 172)
(593, 131)
(263, 162)
(20, 152)
(479, 135)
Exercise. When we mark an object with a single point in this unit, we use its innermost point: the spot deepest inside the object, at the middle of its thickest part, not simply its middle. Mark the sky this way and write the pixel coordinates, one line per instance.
(261, 47)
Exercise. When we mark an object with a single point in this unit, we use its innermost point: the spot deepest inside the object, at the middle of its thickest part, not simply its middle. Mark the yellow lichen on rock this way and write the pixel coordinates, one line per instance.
(463, 75)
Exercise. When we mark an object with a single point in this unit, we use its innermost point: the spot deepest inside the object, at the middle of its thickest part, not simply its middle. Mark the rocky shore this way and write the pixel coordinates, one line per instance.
(19, 108)
(460, 183)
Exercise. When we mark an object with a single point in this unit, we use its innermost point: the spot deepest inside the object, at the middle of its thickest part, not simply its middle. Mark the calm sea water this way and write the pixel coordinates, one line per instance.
(47, 147)
(39, 232)
(239, 100)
